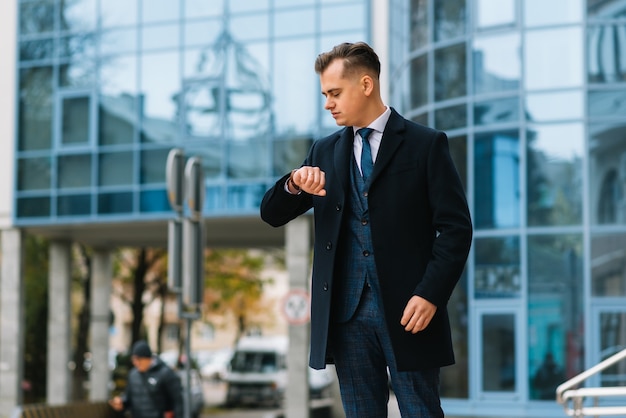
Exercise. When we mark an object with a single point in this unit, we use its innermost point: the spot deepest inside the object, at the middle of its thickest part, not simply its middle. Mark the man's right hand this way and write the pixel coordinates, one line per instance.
(310, 180)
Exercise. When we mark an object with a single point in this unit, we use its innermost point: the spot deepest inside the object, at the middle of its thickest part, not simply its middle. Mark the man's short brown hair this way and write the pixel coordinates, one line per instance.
(355, 56)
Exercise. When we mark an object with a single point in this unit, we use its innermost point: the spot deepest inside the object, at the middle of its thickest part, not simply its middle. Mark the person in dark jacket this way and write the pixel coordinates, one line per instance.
(152, 389)
(392, 235)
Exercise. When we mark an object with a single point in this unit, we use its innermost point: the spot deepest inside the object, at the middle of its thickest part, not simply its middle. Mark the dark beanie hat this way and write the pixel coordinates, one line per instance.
(141, 349)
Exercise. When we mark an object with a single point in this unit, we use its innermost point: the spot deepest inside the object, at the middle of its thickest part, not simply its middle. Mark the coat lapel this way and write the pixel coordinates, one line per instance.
(392, 138)
(343, 154)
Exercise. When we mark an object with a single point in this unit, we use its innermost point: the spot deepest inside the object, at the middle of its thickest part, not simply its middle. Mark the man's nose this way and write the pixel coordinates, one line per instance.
(329, 104)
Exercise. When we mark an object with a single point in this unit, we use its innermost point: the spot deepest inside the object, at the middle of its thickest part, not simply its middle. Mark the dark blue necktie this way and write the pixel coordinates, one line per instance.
(367, 164)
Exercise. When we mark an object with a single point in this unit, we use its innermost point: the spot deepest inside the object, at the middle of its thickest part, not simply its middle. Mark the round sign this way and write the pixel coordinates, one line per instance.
(296, 306)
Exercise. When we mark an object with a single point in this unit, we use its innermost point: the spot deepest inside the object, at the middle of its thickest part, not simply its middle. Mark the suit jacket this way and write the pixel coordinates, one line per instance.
(421, 232)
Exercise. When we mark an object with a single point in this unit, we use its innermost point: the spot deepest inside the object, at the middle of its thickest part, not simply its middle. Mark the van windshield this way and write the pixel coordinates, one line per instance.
(256, 362)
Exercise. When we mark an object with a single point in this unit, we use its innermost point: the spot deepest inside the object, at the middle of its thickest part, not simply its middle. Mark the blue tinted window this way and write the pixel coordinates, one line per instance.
(111, 203)
(74, 205)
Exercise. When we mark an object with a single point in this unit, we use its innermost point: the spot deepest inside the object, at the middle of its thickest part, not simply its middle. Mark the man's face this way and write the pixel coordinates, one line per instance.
(345, 96)
(141, 363)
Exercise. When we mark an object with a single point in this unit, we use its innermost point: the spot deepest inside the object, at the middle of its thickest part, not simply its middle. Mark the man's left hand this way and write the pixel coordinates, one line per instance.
(417, 314)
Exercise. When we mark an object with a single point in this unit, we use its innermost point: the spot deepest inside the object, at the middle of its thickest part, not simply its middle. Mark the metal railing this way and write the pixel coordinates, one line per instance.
(573, 398)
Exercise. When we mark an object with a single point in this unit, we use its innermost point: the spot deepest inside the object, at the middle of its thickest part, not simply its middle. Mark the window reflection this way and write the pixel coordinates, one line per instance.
(555, 312)
(553, 58)
(248, 159)
(554, 106)
(160, 37)
(160, 10)
(153, 162)
(289, 154)
(607, 167)
(608, 252)
(553, 12)
(115, 168)
(74, 205)
(612, 341)
(118, 41)
(118, 12)
(497, 268)
(606, 103)
(419, 24)
(419, 81)
(497, 195)
(495, 13)
(154, 201)
(499, 372)
(74, 171)
(211, 154)
(33, 207)
(450, 79)
(451, 117)
(554, 174)
(491, 112)
(333, 17)
(112, 203)
(199, 8)
(606, 8)
(35, 111)
(75, 120)
(294, 22)
(36, 17)
(38, 49)
(450, 18)
(606, 49)
(33, 173)
(78, 15)
(245, 197)
(497, 64)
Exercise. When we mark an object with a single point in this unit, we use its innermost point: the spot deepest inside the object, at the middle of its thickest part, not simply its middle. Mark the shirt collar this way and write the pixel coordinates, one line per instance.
(379, 123)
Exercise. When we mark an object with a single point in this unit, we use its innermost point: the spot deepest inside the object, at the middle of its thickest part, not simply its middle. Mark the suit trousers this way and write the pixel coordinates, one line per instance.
(362, 352)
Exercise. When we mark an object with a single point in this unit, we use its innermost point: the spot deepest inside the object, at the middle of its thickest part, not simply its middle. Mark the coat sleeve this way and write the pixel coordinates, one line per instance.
(174, 389)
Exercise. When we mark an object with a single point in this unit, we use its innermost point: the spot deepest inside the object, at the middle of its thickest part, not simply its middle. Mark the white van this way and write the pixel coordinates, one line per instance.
(258, 373)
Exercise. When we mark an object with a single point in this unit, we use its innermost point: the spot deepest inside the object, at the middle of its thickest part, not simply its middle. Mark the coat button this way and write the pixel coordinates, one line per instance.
(363, 222)
(338, 207)
(365, 194)
(329, 245)
(366, 253)
(325, 287)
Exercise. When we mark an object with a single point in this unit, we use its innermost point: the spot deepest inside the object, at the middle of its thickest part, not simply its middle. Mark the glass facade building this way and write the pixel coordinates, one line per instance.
(532, 95)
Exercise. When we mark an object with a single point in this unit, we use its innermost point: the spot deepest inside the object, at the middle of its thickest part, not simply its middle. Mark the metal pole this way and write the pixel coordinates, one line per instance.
(187, 413)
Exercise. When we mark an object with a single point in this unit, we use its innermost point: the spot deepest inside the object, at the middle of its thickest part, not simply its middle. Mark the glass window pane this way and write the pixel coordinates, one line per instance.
(553, 12)
(612, 341)
(153, 164)
(295, 104)
(35, 112)
(160, 37)
(118, 12)
(248, 27)
(495, 13)
(496, 111)
(160, 10)
(248, 159)
(606, 103)
(78, 15)
(607, 167)
(419, 24)
(605, 9)
(76, 120)
(78, 72)
(33, 173)
(116, 119)
(419, 81)
(541, 107)
(211, 154)
(33, 207)
(334, 17)
(203, 32)
(237, 6)
(36, 17)
(497, 65)
(606, 49)
(608, 252)
(154, 201)
(74, 205)
(294, 22)
(555, 312)
(111, 203)
(245, 197)
(115, 168)
(451, 117)
(198, 8)
(118, 41)
(450, 78)
(74, 171)
(450, 18)
(160, 105)
(497, 271)
(554, 174)
(37, 49)
(497, 195)
(553, 58)
(499, 352)
(78, 47)
(289, 154)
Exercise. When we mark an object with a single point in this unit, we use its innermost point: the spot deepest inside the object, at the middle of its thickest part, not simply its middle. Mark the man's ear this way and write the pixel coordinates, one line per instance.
(367, 83)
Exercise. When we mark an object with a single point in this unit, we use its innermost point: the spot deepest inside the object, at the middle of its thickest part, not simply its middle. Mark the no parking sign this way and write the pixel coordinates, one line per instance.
(296, 306)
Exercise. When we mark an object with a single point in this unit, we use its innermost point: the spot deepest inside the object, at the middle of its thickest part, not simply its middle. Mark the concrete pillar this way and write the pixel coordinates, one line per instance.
(99, 329)
(11, 320)
(298, 251)
(59, 380)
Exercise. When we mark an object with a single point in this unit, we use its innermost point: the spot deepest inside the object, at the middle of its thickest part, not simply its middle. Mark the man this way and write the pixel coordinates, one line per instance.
(152, 388)
(392, 235)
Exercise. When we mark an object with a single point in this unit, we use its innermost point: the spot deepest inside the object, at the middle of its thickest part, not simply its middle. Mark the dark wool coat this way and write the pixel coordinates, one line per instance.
(421, 232)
